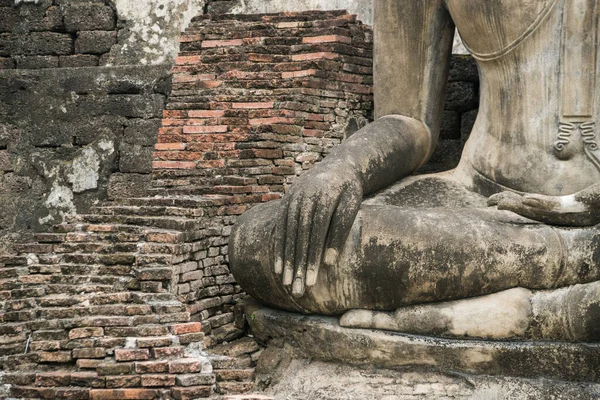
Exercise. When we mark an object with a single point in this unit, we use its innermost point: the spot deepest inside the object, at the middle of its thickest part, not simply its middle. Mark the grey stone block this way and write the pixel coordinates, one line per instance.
(136, 159)
(143, 132)
(450, 128)
(78, 60)
(86, 130)
(41, 43)
(6, 63)
(128, 185)
(38, 17)
(88, 17)
(463, 68)
(36, 62)
(9, 17)
(466, 124)
(461, 96)
(95, 42)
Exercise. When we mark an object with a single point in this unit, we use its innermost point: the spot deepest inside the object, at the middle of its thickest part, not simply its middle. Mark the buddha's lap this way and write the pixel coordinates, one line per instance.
(399, 255)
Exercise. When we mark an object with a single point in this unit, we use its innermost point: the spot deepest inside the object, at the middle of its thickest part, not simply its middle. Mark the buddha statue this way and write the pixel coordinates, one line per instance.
(502, 247)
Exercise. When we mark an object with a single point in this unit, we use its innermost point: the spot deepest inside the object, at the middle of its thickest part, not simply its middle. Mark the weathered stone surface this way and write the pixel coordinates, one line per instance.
(95, 42)
(88, 16)
(322, 338)
(333, 381)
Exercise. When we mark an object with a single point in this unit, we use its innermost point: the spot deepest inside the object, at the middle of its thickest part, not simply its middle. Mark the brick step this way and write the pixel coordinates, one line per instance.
(12, 344)
(12, 260)
(184, 202)
(136, 235)
(81, 269)
(111, 310)
(92, 299)
(53, 289)
(8, 272)
(171, 223)
(103, 259)
(77, 279)
(125, 210)
(95, 247)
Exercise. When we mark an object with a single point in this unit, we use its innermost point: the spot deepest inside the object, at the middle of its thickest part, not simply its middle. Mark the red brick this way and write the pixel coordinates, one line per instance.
(192, 392)
(191, 38)
(55, 357)
(179, 78)
(169, 114)
(221, 43)
(266, 104)
(173, 165)
(158, 380)
(234, 374)
(131, 354)
(315, 56)
(169, 146)
(80, 333)
(327, 39)
(28, 392)
(188, 60)
(184, 366)
(205, 129)
(206, 113)
(94, 352)
(313, 133)
(126, 394)
(151, 367)
(53, 379)
(88, 364)
(271, 196)
(101, 228)
(87, 379)
(72, 393)
(160, 353)
(299, 74)
(272, 120)
(191, 327)
(123, 381)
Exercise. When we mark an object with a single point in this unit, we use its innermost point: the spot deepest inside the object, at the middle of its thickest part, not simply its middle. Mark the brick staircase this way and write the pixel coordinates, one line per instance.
(92, 311)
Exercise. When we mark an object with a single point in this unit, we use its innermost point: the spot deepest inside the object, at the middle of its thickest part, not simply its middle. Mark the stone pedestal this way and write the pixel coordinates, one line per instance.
(310, 354)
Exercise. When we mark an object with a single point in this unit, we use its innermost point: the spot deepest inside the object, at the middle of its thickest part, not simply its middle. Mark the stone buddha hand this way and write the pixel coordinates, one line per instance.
(507, 239)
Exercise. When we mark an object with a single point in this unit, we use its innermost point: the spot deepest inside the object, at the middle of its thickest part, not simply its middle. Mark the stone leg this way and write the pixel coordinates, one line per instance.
(396, 257)
(570, 314)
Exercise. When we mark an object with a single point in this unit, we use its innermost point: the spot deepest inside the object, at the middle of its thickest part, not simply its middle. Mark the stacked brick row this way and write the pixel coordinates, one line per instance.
(257, 99)
(56, 33)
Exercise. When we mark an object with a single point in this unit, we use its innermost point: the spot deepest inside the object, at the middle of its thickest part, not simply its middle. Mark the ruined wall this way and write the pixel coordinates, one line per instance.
(82, 87)
(69, 138)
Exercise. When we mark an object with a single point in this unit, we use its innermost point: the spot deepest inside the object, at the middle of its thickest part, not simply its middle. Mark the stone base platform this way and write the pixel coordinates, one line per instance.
(310, 354)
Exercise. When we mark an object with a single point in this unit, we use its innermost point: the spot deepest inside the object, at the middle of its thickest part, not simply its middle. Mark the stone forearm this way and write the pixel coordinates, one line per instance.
(383, 152)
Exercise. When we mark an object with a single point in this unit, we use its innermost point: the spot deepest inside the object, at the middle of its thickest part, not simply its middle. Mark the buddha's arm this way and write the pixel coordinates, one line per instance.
(579, 209)
(413, 42)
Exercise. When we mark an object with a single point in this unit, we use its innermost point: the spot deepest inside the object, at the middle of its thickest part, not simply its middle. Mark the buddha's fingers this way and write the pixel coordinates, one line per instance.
(279, 236)
(291, 233)
(495, 199)
(341, 223)
(320, 227)
(539, 201)
(305, 221)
